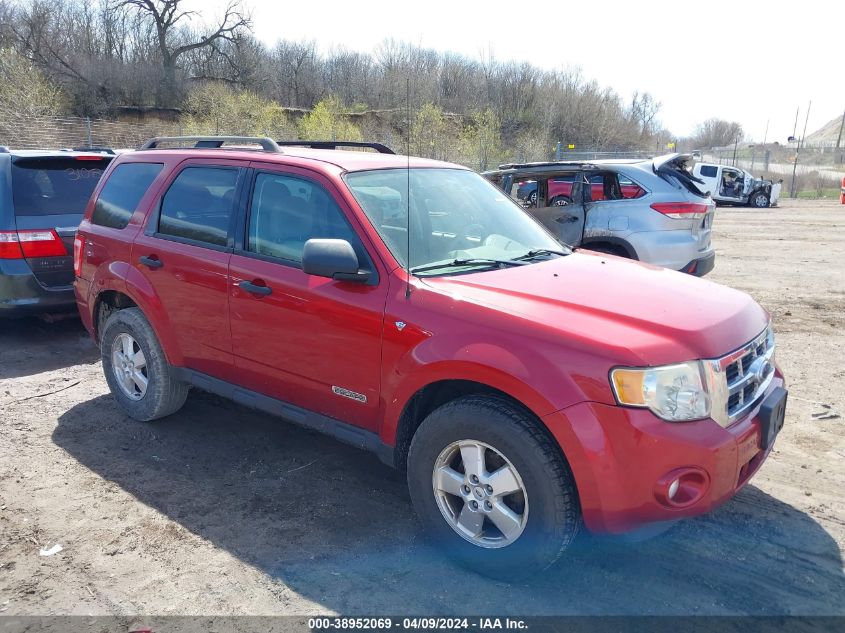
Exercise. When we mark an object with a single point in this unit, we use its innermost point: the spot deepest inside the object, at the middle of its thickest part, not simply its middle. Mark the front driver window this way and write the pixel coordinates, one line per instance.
(287, 211)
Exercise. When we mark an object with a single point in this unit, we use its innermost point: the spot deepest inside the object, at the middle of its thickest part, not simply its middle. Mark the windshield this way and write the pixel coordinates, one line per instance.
(458, 219)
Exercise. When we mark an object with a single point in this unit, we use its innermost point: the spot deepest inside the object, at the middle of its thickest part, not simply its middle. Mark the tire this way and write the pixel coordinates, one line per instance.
(560, 201)
(759, 200)
(545, 515)
(129, 329)
(531, 200)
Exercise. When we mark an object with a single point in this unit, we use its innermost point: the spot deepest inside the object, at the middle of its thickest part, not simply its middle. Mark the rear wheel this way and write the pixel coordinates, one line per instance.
(759, 200)
(560, 201)
(491, 488)
(136, 369)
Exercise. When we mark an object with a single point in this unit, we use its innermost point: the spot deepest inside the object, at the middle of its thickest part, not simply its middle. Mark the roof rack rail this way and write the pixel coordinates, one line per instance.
(379, 147)
(551, 163)
(211, 142)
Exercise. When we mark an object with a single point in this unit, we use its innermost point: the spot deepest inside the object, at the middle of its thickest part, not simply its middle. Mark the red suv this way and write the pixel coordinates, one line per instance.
(411, 308)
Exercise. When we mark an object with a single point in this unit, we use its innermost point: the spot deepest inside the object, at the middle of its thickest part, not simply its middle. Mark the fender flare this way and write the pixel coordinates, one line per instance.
(451, 370)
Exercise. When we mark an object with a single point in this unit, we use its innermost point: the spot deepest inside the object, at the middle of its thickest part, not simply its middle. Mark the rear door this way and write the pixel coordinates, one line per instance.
(184, 253)
(49, 195)
(563, 215)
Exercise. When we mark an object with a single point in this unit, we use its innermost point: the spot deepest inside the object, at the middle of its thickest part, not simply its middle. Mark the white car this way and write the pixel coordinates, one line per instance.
(733, 185)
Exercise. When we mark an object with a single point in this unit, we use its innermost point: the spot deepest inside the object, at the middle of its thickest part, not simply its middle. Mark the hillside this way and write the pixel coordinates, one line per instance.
(828, 132)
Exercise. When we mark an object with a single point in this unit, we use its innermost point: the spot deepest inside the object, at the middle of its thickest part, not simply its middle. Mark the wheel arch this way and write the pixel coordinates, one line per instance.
(435, 394)
(136, 291)
(613, 243)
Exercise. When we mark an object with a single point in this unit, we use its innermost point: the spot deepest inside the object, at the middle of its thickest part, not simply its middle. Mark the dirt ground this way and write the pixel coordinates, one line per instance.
(221, 510)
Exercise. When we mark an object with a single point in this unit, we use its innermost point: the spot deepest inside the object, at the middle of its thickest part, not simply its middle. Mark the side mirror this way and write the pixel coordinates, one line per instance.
(335, 259)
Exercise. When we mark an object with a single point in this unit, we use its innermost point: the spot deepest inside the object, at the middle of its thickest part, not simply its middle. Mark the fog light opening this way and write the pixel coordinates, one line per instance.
(681, 488)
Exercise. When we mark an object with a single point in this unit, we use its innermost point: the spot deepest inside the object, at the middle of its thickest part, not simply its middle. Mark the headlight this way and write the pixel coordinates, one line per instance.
(676, 393)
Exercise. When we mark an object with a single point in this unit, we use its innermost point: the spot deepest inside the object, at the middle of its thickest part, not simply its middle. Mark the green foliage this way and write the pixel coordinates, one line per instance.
(481, 141)
(25, 90)
(431, 134)
(217, 109)
(328, 122)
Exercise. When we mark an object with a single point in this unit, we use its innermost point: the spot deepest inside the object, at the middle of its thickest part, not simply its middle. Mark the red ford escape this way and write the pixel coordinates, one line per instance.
(409, 307)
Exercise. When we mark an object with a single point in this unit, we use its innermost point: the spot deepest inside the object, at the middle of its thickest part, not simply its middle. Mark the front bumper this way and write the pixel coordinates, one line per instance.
(21, 293)
(701, 266)
(619, 457)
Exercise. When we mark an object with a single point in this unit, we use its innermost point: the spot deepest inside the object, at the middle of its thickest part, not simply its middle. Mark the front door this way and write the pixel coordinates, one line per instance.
(309, 341)
(731, 184)
(184, 254)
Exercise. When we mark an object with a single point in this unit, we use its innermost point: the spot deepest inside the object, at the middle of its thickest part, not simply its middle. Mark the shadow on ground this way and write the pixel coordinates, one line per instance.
(31, 346)
(335, 525)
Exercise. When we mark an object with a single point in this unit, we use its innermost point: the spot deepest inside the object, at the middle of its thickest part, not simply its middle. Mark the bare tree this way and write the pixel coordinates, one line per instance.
(717, 133)
(168, 18)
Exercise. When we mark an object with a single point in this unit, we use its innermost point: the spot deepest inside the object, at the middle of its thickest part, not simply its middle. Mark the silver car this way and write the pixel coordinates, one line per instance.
(650, 210)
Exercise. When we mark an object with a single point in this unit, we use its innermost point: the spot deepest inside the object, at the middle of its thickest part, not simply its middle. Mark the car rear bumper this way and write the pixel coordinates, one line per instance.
(701, 266)
(21, 293)
(622, 460)
(675, 250)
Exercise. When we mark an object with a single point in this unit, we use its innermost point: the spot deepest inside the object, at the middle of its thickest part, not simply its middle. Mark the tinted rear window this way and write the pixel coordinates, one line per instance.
(198, 206)
(708, 171)
(48, 186)
(122, 192)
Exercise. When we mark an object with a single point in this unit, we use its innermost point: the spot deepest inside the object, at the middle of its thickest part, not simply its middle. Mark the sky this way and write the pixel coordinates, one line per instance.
(748, 61)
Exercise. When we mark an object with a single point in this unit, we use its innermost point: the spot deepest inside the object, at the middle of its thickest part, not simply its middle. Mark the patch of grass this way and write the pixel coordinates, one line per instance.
(824, 194)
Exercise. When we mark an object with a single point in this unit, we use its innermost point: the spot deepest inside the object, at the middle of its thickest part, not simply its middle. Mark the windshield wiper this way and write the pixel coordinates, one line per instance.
(470, 261)
(540, 251)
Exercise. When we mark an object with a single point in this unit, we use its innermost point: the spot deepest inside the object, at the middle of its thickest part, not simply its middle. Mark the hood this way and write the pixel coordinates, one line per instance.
(635, 313)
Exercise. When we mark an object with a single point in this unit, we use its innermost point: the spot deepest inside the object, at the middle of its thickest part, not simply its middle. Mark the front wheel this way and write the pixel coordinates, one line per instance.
(759, 200)
(491, 488)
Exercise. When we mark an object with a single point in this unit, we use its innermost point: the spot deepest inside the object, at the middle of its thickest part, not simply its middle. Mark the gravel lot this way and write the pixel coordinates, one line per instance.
(220, 510)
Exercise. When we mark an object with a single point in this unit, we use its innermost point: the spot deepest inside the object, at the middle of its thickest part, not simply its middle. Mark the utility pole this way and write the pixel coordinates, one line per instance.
(841, 126)
(754, 147)
(793, 193)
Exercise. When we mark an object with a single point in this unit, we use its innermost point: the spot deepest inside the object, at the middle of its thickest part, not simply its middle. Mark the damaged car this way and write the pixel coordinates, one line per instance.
(732, 185)
(652, 210)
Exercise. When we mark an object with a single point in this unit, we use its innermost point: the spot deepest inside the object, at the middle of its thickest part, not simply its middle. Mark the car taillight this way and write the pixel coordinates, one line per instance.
(20, 244)
(78, 246)
(10, 247)
(681, 210)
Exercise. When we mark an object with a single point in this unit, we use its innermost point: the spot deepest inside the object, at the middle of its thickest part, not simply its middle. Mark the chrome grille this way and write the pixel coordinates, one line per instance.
(748, 373)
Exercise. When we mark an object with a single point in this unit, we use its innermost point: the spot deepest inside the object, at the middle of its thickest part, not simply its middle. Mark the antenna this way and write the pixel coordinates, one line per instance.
(408, 190)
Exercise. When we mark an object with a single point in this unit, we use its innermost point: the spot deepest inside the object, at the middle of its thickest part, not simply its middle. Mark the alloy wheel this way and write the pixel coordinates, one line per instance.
(480, 494)
(129, 366)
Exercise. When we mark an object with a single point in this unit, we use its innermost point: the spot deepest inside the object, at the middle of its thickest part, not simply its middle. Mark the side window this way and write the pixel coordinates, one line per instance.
(559, 190)
(122, 192)
(286, 212)
(709, 171)
(198, 205)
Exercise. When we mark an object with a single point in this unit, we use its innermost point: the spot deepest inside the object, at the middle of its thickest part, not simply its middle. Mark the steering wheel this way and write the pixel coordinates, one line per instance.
(472, 230)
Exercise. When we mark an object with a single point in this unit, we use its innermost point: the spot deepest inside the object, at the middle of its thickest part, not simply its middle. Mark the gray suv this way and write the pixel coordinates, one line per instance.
(649, 210)
(43, 194)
